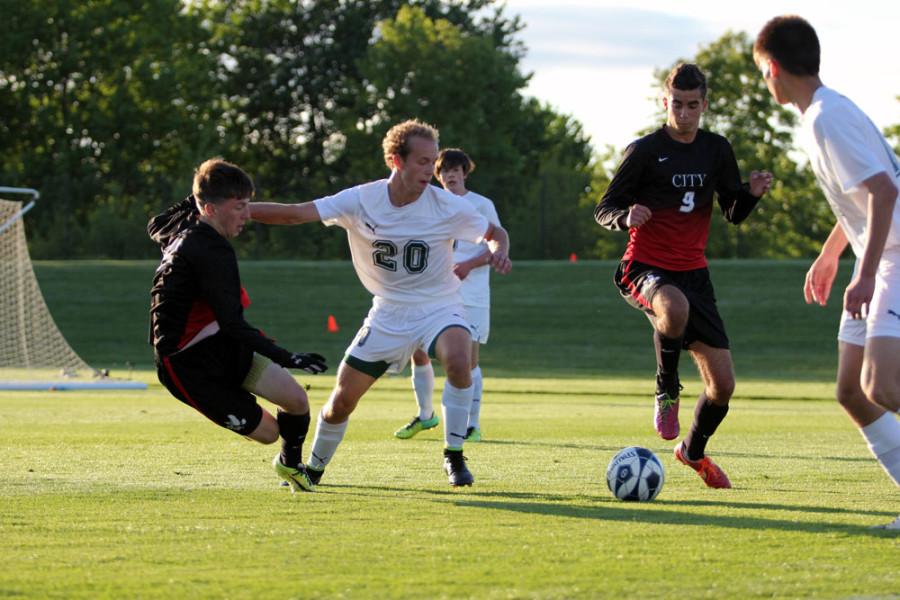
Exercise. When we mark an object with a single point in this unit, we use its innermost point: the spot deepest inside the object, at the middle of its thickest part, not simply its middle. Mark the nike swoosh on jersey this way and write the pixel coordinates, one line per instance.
(663, 158)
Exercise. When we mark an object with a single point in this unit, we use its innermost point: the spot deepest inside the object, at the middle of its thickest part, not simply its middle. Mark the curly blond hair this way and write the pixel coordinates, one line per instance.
(396, 140)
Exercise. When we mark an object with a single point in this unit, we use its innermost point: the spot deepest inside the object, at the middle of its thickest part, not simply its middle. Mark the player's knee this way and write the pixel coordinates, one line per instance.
(850, 395)
(338, 409)
(459, 372)
(295, 402)
(884, 393)
(720, 391)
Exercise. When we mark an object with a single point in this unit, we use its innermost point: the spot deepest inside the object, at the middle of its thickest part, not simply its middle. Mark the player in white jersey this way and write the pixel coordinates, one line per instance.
(401, 232)
(472, 268)
(860, 176)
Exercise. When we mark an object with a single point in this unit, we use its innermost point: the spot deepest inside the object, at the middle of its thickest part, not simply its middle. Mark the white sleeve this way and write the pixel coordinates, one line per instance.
(469, 225)
(844, 143)
(339, 209)
(491, 213)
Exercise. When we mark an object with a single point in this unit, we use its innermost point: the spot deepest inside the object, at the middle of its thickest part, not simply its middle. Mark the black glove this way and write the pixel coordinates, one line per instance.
(311, 363)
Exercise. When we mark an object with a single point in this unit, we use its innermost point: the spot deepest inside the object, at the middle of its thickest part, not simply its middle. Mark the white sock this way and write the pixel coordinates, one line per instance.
(883, 437)
(475, 409)
(328, 437)
(455, 402)
(423, 385)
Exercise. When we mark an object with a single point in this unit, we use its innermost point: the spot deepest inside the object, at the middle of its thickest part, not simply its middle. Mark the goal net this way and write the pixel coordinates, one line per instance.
(34, 354)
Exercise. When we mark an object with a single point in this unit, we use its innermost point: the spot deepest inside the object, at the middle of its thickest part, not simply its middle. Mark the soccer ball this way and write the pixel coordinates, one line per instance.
(635, 474)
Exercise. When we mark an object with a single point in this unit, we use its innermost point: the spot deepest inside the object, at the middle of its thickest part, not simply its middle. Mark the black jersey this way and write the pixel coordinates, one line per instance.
(676, 181)
(198, 282)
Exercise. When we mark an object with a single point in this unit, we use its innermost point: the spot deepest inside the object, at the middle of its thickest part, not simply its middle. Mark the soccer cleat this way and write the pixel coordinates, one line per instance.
(709, 471)
(417, 425)
(473, 434)
(297, 478)
(315, 475)
(892, 526)
(456, 469)
(665, 416)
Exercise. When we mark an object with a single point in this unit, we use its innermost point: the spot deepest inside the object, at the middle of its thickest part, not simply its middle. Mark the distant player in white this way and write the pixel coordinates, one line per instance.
(860, 176)
(472, 267)
(401, 232)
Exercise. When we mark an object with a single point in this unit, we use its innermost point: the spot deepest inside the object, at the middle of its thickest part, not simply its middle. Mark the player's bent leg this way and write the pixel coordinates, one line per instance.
(671, 310)
(278, 386)
(267, 430)
(881, 372)
(332, 423)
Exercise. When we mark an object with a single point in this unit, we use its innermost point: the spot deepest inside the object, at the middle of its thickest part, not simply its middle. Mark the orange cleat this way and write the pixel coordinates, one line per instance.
(709, 471)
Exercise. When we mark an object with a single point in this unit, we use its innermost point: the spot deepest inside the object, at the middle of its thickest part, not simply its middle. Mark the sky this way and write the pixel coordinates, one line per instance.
(594, 59)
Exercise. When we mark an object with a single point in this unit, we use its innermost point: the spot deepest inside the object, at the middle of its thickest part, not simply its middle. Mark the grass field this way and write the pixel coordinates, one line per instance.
(131, 494)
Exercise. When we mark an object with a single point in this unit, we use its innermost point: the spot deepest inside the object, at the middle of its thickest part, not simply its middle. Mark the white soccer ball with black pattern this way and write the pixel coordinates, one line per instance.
(635, 474)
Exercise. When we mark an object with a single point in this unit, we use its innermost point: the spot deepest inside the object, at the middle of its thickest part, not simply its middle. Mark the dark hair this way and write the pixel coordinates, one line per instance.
(451, 158)
(217, 180)
(396, 140)
(685, 77)
(792, 42)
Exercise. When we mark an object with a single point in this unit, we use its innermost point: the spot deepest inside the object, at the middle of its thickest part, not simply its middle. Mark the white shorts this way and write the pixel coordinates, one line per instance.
(883, 319)
(392, 332)
(479, 318)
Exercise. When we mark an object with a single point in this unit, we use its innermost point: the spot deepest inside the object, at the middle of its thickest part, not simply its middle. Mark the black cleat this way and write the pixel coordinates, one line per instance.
(314, 475)
(455, 468)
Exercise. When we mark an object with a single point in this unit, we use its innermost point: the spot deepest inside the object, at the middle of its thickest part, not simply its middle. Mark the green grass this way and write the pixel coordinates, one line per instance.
(548, 318)
(132, 494)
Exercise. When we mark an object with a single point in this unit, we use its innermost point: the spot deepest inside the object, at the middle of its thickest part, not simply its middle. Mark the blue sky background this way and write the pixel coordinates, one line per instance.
(594, 59)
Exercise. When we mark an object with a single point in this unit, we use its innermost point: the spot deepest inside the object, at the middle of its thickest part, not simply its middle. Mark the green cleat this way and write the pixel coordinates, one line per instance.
(296, 478)
(473, 434)
(417, 425)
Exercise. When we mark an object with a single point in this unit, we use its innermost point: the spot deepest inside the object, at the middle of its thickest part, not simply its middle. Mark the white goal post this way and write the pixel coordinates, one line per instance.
(34, 354)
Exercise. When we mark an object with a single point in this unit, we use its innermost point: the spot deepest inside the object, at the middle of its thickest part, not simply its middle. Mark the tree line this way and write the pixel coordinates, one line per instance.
(108, 105)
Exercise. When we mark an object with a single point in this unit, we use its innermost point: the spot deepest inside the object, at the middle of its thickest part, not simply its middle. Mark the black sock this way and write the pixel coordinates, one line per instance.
(293, 430)
(668, 351)
(707, 417)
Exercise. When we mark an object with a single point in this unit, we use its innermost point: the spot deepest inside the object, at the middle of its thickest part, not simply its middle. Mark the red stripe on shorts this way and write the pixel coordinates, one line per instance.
(178, 384)
(632, 288)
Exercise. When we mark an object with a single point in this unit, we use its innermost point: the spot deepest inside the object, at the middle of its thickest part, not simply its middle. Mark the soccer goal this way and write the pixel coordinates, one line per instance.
(34, 355)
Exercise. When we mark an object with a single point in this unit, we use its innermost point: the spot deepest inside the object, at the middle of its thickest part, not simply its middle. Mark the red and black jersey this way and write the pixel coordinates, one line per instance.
(197, 282)
(676, 181)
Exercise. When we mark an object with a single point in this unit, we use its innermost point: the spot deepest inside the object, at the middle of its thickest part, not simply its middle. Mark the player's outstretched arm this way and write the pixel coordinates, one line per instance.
(498, 243)
(274, 213)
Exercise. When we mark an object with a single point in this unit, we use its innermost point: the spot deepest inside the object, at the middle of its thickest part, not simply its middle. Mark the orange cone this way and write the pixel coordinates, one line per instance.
(332, 324)
(573, 258)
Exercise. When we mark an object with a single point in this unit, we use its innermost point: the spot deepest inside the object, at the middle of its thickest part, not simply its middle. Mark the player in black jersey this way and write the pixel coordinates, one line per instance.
(662, 193)
(207, 355)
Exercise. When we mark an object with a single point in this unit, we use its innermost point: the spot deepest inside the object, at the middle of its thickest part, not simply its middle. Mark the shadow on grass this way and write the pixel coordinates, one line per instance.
(607, 509)
(615, 511)
(667, 451)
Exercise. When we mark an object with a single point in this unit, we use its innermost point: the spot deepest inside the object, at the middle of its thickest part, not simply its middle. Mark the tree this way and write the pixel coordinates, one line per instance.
(104, 105)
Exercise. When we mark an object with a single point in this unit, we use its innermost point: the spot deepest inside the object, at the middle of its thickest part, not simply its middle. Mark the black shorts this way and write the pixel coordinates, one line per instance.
(639, 282)
(208, 376)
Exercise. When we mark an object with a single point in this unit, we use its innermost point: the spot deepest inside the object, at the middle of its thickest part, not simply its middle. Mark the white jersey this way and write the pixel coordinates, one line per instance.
(476, 287)
(404, 254)
(845, 148)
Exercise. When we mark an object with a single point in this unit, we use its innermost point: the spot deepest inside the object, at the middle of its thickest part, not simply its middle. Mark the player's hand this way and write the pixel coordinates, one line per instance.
(501, 263)
(461, 271)
(638, 214)
(819, 279)
(760, 182)
(858, 295)
(311, 362)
